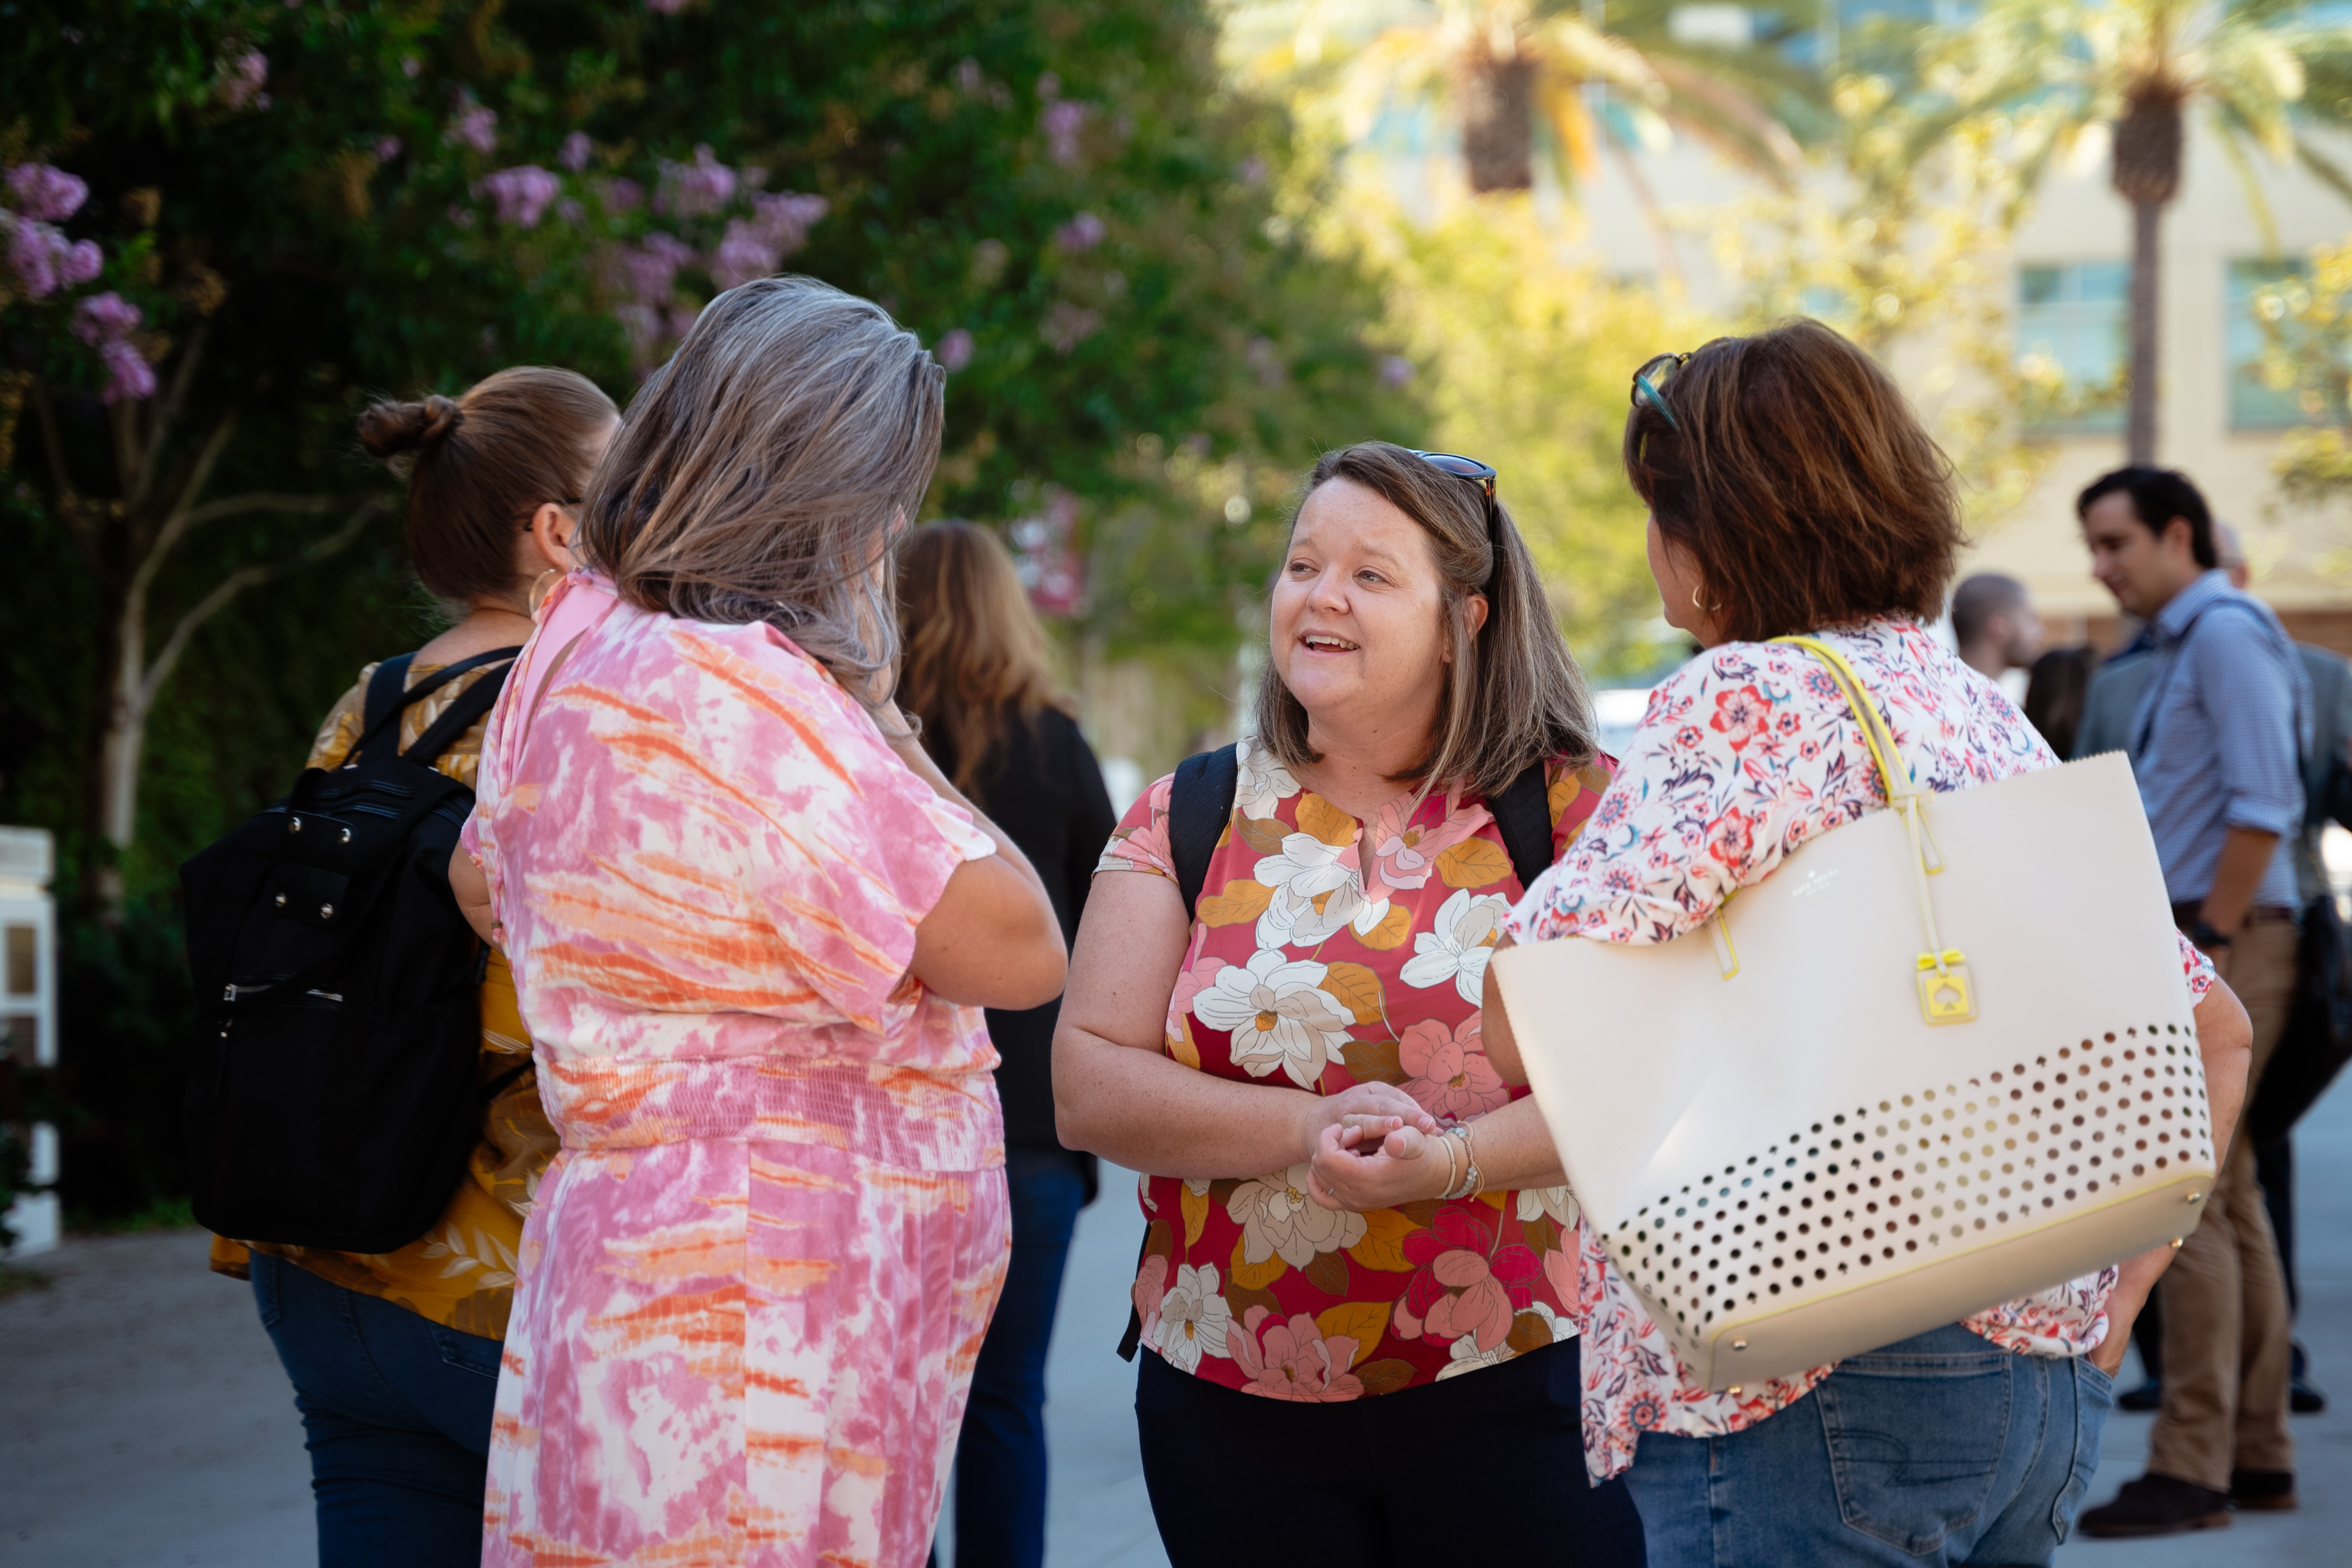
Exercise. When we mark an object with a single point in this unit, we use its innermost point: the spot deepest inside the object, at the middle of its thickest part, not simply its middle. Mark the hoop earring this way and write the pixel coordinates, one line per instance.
(540, 587)
(1704, 609)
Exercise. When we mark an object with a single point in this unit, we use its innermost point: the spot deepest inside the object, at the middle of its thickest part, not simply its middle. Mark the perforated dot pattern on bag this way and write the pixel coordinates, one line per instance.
(1881, 1186)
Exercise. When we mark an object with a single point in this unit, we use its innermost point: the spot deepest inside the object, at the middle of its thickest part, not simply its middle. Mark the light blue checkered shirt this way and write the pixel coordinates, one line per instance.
(2216, 740)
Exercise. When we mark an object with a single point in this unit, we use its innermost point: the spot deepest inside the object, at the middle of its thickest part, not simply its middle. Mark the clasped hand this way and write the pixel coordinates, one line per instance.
(1372, 1147)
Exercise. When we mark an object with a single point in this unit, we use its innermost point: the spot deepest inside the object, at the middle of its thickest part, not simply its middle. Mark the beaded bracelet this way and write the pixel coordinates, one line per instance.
(1472, 1181)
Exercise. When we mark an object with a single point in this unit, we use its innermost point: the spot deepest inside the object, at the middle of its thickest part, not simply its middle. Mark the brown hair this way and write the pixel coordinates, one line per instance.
(1800, 483)
(1513, 694)
(760, 472)
(975, 659)
(479, 466)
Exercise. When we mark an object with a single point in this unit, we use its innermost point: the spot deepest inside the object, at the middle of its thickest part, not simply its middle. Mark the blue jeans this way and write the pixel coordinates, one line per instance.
(396, 1414)
(1000, 1490)
(1941, 1449)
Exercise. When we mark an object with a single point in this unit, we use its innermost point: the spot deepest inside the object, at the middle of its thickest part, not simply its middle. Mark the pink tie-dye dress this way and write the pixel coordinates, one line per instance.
(758, 1271)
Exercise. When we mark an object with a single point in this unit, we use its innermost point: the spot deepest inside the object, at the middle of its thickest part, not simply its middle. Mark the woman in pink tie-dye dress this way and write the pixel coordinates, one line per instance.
(742, 914)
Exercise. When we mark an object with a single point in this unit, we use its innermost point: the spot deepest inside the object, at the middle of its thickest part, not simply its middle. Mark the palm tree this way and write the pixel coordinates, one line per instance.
(1498, 65)
(2134, 69)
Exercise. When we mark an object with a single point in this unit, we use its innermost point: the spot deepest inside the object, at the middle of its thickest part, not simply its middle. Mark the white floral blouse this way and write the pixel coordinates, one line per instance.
(1745, 754)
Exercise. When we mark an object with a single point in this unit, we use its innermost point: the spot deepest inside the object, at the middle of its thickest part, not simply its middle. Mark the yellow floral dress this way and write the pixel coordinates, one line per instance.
(459, 1274)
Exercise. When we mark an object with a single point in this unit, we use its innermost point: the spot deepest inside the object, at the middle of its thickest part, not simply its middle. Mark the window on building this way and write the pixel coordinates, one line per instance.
(2077, 317)
(2254, 402)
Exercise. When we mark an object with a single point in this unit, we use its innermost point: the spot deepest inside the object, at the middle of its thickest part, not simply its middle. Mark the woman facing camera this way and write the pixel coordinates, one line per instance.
(1792, 491)
(1329, 976)
(751, 926)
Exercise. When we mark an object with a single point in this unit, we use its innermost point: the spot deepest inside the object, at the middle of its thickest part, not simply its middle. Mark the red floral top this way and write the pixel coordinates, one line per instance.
(1327, 953)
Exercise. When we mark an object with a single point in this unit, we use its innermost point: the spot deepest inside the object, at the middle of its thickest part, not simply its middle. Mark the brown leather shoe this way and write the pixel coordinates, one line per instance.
(2159, 1505)
(2262, 1491)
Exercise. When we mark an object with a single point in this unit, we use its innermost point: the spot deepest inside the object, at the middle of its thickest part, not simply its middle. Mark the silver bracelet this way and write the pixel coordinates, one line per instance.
(1472, 1181)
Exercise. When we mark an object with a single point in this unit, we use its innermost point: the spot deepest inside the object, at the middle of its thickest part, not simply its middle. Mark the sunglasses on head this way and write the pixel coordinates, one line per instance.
(1652, 375)
(1461, 468)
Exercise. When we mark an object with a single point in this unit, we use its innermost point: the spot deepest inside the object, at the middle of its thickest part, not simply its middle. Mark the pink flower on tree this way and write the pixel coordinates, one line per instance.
(522, 193)
(1293, 1360)
(104, 319)
(696, 189)
(757, 246)
(1082, 233)
(44, 260)
(621, 196)
(79, 262)
(474, 126)
(576, 152)
(128, 374)
(1395, 370)
(387, 148)
(666, 7)
(241, 82)
(954, 351)
(45, 195)
(1451, 1078)
(652, 265)
(1061, 120)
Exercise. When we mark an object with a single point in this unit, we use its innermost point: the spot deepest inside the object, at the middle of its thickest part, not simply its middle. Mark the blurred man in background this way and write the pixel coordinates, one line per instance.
(2216, 741)
(1994, 624)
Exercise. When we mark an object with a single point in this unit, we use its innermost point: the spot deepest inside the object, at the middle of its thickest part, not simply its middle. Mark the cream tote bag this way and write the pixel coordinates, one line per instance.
(1821, 1129)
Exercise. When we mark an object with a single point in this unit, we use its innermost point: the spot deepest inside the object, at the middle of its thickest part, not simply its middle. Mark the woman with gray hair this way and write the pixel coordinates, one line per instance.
(751, 927)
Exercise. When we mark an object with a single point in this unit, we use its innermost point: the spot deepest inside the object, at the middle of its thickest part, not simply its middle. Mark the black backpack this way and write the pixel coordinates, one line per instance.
(1200, 801)
(334, 1091)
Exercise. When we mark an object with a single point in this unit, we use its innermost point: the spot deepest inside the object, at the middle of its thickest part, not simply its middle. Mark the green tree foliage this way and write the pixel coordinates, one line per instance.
(295, 207)
(2307, 322)
(1530, 355)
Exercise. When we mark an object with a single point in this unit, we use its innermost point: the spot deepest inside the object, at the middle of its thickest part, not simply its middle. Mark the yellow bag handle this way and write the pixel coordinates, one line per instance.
(1945, 995)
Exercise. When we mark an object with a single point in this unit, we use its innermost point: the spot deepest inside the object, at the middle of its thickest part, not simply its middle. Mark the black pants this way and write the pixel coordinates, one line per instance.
(1484, 1468)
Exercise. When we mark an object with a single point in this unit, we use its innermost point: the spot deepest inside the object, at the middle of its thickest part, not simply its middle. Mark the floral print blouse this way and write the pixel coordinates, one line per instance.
(1745, 754)
(1327, 953)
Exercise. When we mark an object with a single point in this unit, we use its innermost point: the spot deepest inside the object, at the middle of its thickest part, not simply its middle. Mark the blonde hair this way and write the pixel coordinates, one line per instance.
(760, 474)
(1513, 694)
(976, 658)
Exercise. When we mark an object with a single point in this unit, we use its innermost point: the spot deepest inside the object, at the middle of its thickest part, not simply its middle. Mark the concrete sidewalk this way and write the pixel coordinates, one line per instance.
(144, 1422)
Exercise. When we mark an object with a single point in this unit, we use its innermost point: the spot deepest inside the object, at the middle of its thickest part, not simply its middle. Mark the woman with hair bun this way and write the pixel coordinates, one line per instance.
(753, 927)
(395, 1356)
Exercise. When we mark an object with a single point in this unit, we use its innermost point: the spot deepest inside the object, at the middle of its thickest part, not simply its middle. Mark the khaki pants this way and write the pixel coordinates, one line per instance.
(2228, 1340)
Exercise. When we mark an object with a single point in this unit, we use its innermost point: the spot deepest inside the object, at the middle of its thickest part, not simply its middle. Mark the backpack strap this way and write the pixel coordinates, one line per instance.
(389, 694)
(464, 711)
(1199, 803)
(386, 696)
(1522, 813)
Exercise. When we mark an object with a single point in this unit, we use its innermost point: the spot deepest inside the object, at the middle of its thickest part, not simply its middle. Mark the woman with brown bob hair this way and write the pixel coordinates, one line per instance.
(977, 676)
(1792, 490)
(751, 925)
(1423, 747)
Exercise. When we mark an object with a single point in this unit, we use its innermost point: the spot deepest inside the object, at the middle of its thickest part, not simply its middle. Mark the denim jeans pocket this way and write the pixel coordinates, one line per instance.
(2095, 1396)
(1915, 1440)
(468, 1352)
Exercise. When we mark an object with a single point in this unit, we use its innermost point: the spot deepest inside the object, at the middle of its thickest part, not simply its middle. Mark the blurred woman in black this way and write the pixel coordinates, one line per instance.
(975, 675)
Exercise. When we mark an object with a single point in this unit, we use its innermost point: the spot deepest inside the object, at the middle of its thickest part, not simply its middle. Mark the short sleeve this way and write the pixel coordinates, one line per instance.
(1700, 804)
(340, 730)
(1139, 843)
(864, 850)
